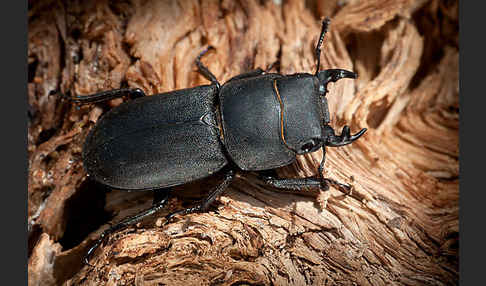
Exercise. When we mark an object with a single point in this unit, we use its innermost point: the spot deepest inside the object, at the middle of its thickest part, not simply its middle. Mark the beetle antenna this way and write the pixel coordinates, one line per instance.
(325, 25)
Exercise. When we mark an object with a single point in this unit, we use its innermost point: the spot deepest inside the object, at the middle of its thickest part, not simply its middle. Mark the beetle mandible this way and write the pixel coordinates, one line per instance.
(256, 121)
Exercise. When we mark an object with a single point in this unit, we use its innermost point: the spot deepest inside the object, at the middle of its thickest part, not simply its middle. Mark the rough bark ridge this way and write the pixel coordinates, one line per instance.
(399, 226)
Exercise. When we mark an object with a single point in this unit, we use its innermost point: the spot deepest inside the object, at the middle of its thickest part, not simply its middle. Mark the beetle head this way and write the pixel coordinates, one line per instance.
(314, 143)
(327, 136)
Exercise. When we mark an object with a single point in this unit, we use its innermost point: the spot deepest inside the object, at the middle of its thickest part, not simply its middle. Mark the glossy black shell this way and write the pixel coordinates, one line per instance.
(257, 123)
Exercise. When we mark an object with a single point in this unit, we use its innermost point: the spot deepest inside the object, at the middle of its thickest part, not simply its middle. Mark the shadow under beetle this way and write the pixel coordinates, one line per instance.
(256, 121)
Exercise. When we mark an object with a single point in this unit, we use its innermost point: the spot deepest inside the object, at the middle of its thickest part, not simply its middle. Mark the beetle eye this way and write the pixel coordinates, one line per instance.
(309, 146)
(322, 89)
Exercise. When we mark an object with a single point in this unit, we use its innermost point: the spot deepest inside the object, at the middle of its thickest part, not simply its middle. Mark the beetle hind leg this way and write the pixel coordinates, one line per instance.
(161, 198)
(101, 96)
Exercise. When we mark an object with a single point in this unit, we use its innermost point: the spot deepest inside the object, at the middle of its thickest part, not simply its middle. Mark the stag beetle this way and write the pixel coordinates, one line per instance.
(256, 121)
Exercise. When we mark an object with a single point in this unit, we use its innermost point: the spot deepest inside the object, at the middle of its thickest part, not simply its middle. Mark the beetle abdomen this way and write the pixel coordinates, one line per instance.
(156, 141)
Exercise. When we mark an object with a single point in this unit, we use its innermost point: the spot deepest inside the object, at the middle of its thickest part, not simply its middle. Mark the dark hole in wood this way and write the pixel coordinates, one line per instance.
(85, 213)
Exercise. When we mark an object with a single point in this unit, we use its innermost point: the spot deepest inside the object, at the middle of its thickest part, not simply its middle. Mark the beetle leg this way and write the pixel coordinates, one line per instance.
(295, 184)
(102, 96)
(344, 139)
(325, 181)
(301, 183)
(204, 70)
(161, 197)
(204, 205)
(320, 169)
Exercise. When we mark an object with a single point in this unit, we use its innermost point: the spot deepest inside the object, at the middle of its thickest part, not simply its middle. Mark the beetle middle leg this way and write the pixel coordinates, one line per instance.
(204, 205)
(161, 197)
(204, 70)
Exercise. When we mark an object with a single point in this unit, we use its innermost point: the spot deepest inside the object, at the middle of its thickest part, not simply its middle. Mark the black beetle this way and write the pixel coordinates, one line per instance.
(256, 121)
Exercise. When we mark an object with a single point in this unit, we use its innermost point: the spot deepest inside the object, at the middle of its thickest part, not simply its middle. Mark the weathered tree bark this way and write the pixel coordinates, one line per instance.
(399, 226)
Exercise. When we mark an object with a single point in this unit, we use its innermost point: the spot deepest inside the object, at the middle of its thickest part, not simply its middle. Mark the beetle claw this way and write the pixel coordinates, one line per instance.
(333, 75)
(344, 139)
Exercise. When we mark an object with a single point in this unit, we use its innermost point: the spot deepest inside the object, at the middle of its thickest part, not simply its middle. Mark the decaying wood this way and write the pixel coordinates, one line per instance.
(399, 226)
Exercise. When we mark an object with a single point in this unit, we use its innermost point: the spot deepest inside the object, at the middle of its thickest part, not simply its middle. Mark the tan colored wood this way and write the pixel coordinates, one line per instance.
(399, 226)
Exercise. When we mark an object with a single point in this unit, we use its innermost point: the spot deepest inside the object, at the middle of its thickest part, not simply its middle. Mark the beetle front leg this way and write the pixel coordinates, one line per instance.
(301, 183)
(345, 138)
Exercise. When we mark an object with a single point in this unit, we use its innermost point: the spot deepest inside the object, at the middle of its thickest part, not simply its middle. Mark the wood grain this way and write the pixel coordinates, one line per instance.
(399, 226)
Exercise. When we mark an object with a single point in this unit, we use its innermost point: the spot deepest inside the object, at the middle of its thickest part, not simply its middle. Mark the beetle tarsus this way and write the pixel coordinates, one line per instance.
(92, 249)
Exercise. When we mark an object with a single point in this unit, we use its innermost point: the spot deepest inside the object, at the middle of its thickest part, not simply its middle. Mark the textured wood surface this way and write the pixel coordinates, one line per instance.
(399, 226)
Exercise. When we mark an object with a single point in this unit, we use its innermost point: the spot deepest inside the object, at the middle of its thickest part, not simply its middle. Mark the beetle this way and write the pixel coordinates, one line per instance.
(255, 121)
